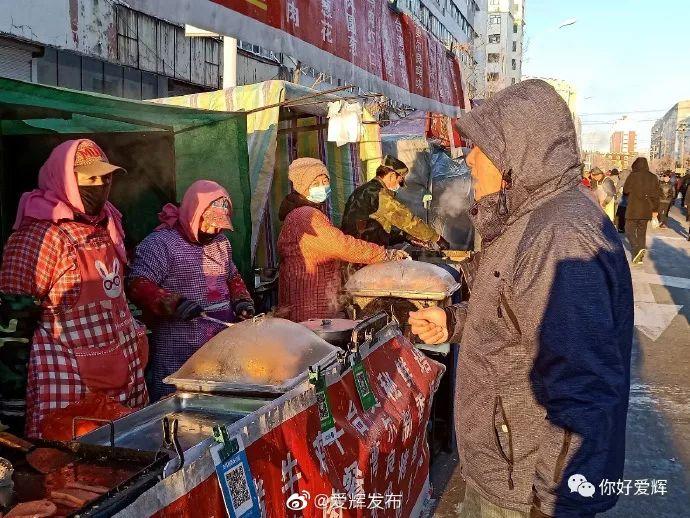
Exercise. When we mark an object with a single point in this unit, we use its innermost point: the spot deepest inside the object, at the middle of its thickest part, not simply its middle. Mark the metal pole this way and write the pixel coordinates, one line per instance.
(229, 62)
(297, 100)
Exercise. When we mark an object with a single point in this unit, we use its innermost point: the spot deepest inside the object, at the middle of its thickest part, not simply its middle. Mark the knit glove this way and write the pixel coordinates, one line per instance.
(244, 309)
(188, 310)
(393, 254)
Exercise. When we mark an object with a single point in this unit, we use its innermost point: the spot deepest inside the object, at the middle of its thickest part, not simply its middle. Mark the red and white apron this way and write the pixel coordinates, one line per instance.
(93, 345)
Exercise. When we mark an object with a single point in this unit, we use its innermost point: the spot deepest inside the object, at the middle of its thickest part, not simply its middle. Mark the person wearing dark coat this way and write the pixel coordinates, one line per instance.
(543, 374)
(643, 192)
(684, 185)
(667, 196)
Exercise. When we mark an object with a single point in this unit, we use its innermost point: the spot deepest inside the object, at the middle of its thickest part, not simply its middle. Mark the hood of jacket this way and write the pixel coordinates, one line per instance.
(527, 130)
(57, 197)
(640, 165)
(195, 201)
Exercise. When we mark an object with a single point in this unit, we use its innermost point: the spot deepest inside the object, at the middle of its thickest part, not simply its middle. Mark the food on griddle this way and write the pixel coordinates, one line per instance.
(87, 487)
(14, 442)
(46, 460)
(75, 498)
(35, 509)
(267, 352)
(407, 277)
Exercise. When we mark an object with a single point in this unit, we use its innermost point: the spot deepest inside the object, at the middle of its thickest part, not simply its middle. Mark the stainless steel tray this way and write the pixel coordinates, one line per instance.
(196, 415)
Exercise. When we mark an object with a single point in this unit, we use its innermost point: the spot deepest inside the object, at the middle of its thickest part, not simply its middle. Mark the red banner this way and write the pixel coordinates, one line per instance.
(375, 465)
(391, 53)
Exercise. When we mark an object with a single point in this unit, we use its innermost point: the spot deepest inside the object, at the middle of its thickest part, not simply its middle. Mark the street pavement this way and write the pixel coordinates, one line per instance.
(658, 432)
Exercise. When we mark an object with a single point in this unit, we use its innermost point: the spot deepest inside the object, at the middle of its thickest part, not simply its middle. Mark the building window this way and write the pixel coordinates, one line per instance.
(494, 38)
(69, 70)
(47, 67)
(515, 28)
(91, 75)
(495, 19)
(494, 3)
(514, 64)
(127, 36)
(112, 79)
(492, 76)
(492, 57)
(514, 46)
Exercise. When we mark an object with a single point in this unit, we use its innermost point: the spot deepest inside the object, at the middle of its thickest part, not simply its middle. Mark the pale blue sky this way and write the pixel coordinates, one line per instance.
(621, 56)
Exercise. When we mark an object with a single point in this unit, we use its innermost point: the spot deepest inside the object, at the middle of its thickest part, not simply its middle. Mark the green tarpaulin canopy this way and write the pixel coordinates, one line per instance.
(163, 148)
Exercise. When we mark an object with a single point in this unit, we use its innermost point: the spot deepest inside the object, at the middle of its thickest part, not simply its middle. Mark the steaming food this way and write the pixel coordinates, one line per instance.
(410, 279)
(265, 353)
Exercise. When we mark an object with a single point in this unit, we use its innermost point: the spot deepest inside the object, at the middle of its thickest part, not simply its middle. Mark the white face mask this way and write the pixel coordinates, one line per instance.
(319, 194)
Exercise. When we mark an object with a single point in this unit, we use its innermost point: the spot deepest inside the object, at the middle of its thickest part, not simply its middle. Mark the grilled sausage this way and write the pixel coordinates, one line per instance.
(101, 490)
(14, 442)
(35, 509)
(46, 460)
(76, 498)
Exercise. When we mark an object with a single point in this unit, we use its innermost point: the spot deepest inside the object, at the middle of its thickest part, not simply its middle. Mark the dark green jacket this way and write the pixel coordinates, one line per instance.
(372, 213)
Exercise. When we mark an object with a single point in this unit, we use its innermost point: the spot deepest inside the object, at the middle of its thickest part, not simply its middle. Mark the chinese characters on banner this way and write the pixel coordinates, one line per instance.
(378, 454)
(376, 464)
(390, 46)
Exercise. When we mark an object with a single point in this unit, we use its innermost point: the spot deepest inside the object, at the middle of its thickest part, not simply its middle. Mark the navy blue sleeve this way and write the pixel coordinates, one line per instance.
(574, 304)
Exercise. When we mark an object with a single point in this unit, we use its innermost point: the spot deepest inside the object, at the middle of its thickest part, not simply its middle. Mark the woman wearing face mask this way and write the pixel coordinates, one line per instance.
(312, 249)
(183, 269)
(67, 252)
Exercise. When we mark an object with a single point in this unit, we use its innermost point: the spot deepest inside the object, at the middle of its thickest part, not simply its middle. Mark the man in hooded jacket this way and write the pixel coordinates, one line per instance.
(643, 192)
(544, 366)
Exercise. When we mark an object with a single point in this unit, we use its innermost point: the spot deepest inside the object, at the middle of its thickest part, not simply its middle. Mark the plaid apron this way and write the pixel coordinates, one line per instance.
(93, 345)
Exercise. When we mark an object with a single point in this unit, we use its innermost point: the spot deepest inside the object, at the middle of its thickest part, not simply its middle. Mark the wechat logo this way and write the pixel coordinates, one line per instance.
(578, 484)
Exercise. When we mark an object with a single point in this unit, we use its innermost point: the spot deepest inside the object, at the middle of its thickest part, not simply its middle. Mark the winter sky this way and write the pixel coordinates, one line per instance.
(624, 57)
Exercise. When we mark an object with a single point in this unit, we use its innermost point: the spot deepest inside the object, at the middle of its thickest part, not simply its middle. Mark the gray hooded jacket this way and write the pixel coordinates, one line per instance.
(544, 366)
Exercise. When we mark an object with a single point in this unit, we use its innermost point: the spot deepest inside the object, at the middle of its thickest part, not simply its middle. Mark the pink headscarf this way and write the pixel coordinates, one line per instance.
(195, 201)
(57, 197)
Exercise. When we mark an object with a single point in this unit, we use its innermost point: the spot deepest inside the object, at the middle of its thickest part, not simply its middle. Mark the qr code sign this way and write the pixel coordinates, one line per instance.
(237, 483)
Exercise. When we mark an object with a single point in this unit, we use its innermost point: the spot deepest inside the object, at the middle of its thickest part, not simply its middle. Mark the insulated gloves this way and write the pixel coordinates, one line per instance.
(188, 310)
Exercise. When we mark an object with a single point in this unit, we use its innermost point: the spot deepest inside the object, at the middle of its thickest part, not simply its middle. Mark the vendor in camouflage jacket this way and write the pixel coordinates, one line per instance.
(374, 214)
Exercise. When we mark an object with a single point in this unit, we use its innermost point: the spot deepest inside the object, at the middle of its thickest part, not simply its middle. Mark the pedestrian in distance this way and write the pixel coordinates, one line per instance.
(643, 192)
(586, 178)
(543, 373)
(668, 194)
(605, 191)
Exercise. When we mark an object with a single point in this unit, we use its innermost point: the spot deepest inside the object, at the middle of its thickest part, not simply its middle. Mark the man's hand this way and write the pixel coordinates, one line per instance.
(430, 324)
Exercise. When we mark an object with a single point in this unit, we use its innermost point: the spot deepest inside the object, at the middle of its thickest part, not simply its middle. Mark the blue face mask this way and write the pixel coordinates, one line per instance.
(319, 194)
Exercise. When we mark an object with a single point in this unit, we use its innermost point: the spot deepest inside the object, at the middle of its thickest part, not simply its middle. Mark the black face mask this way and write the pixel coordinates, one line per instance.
(205, 238)
(93, 197)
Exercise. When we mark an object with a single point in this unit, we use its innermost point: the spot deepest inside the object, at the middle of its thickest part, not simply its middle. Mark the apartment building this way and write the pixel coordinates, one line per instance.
(504, 43)
(623, 142)
(670, 134)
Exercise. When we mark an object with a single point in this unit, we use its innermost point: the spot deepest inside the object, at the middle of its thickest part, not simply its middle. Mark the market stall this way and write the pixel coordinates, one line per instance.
(164, 150)
(331, 442)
